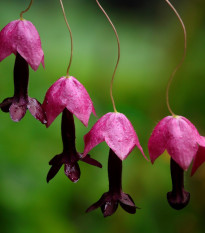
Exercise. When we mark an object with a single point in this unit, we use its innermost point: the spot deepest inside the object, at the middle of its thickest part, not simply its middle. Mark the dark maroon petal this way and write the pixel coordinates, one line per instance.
(109, 208)
(53, 171)
(36, 110)
(56, 163)
(56, 160)
(6, 104)
(127, 203)
(91, 161)
(97, 204)
(17, 111)
(72, 171)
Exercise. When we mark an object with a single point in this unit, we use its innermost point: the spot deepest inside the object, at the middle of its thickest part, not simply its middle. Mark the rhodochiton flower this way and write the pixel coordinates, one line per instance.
(68, 93)
(181, 139)
(21, 36)
(117, 131)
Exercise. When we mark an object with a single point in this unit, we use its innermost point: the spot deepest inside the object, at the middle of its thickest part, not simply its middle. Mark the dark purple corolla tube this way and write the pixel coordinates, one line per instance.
(69, 157)
(110, 200)
(117, 131)
(20, 102)
(178, 198)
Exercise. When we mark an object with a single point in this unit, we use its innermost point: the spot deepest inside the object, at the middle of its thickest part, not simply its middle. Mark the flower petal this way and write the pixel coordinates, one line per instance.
(71, 94)
(127, 203)
(17, 111)
(158, 139)
(36, 110)
(6, 104)
(121, 136)
(109, 208)
(56, 163)
(21, 36)
(97, 204)
(6, 39)
(53, 103)
(28, 44)
(87, 159)
(78, 100)
(182, 141)
(72, 171)
(96, 134)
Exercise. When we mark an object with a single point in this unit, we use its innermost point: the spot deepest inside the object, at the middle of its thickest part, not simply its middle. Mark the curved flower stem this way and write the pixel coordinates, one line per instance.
(118, 59)
(71, 38)
(182, 60)
(21, 14)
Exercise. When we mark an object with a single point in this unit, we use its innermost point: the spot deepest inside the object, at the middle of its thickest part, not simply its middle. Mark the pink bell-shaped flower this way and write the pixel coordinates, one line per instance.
(180, 138)
(71, 94)
(21, 36)
(116, 130)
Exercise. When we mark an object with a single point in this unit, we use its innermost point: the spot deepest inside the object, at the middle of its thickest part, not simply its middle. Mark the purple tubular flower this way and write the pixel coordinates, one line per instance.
(20, 102)
(110, 200)
(69, 156)
(68, 93)
(181, 139)
(116, 130)
(21, 36)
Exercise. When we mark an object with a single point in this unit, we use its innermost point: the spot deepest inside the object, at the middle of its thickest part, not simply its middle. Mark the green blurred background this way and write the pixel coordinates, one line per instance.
(151, 45)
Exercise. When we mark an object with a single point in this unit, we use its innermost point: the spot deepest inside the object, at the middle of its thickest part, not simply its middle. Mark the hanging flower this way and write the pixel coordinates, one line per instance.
(117, 131)
(68, 93)
(180, 138)
(21, 36)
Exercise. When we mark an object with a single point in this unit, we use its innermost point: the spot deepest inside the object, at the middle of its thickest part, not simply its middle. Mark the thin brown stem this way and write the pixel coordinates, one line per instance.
(21, 14)
(181, 61)
(118, 59)
(71, 38)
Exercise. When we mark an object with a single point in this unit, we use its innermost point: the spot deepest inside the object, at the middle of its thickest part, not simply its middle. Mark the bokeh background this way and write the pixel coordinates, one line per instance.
(151, 46)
